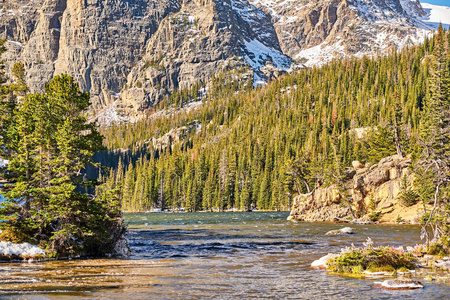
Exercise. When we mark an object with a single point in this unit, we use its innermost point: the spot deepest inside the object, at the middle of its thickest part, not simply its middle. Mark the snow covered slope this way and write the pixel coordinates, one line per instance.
(437, 14)
(316, 31)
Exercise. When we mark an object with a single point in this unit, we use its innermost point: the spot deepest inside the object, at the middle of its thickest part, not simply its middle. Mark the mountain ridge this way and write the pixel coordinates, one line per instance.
(131, 54)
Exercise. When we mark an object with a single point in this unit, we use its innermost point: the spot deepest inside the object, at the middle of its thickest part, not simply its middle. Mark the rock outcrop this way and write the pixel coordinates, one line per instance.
(97, 42)
(375, 188)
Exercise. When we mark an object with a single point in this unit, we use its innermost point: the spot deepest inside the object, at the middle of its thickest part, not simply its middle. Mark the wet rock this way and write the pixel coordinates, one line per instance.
(321, 263)
(345, 230)
(399, 284)
(364, 220)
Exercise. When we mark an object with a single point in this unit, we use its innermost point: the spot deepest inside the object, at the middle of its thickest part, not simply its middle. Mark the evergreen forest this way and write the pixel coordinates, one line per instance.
(232, 146)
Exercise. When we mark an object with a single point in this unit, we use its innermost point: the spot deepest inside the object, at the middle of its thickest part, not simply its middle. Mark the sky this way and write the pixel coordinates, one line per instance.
(437, 2)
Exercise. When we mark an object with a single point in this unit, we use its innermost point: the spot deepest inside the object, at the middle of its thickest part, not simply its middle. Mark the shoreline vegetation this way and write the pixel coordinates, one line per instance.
(385, 261)
(48, 143)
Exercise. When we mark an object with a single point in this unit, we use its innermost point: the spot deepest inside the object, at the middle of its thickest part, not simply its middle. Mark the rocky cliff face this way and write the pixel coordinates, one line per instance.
(315, 32)
(203, 38)
(96, 41)
(130, 53)
(375, 188)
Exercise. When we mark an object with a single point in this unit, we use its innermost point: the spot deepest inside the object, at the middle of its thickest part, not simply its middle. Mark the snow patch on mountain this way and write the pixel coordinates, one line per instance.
(262, 47)
(262, 53)
(437, 14)
(321, 54)
(109, 115)
(382, 41)
(273, 5)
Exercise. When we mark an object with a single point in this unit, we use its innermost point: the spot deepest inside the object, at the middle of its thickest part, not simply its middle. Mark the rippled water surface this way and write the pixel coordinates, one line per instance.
(215, 256)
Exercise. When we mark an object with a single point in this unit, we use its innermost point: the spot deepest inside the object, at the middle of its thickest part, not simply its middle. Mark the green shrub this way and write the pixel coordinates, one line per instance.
(440, 248)
(409, 198)
(380, 259)
(375, 216)
(374, 268)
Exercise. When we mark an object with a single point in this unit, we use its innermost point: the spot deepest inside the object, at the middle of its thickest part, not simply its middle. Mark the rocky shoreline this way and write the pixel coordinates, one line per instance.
(403, 267)
(370, 195)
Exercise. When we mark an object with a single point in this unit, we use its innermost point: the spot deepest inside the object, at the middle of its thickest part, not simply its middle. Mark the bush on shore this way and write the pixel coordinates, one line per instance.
(373, 259)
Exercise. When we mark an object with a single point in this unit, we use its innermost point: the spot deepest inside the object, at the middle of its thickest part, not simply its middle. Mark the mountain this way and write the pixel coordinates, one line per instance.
(315, 32)
(199, 40)
(131, 54)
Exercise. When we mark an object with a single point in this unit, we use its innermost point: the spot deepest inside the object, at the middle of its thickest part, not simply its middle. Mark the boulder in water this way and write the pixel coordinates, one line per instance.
(399, 284)
(321, 263)
(345, 230)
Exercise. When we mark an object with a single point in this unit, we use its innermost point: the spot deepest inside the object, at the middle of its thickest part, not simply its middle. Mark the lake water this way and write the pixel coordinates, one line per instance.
(215, 256)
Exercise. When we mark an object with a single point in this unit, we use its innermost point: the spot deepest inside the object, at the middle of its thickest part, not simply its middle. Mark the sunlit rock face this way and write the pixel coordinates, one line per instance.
(96, 41)
(201, 39)
(372, 188)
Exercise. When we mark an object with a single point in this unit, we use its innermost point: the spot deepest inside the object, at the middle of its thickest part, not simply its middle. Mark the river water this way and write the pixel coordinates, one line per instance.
(215, 256)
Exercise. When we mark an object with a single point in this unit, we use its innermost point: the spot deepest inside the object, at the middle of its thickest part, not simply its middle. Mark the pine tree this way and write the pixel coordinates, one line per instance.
(51, 144)
(433, 166)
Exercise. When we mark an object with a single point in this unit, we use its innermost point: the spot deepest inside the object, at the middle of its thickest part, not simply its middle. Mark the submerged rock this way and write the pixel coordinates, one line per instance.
(399, 284)
(345, 230)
